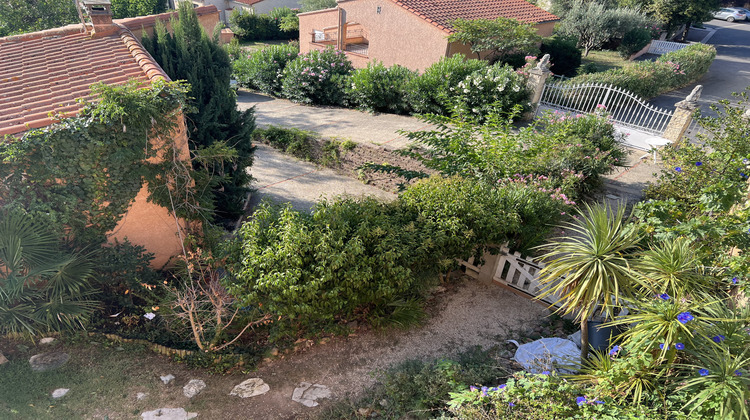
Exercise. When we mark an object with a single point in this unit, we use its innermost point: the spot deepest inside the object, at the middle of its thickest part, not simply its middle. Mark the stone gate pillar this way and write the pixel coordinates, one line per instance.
(537, 78)
(683, 116)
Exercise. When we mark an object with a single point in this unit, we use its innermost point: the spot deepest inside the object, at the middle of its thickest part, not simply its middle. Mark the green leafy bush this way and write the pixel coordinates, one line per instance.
(255, 27)
(652, 78)
(126, 280)
(460, 216)
(318, 77)
(346, 258)
(565, 56)
(263, 70)
(541, 397)
(377, 88)
(633, 41)
(496, 90)
(430, 92)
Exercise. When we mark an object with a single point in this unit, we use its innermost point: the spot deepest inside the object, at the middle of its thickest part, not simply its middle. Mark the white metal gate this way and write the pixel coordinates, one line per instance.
(624, 107)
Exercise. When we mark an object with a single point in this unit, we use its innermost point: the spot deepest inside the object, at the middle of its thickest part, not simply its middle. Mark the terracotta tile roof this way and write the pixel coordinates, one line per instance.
(442, 12)
(46, 72)
(150, 20)
(248, 2)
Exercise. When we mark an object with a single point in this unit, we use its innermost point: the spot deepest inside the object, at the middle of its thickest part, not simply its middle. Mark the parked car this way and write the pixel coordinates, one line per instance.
(741, 10)
(730, 15)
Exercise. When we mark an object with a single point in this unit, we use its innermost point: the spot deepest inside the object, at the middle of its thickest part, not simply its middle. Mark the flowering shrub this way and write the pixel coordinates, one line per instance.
(651, 78)
(529, 396)
(377, 88)
(430, 92)
(582, 146)
(318, 77)
(263, 70)
(496, 90)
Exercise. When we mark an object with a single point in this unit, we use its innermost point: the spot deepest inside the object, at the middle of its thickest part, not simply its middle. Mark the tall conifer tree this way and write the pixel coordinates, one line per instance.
(191, 55)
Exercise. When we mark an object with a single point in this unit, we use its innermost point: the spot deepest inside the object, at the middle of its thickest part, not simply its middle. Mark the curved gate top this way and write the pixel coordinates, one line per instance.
(624, 107)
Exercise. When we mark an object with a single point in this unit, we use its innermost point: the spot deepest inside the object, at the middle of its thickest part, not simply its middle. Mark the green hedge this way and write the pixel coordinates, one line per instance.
(378, 88)
(262, 70)
(652, 78)
(364, 259)
(253, 27)
(430, 92)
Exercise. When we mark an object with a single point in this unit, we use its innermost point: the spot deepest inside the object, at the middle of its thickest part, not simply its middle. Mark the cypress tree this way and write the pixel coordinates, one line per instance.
(191, 55)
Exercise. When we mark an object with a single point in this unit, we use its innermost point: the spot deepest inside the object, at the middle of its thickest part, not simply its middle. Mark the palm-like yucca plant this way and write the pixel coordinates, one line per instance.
(719, 383)
(589, 269)
(41, 288)
(673, 267)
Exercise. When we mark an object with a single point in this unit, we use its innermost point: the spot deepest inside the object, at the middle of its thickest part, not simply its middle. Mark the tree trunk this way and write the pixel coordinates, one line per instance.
(584, 339)
(687, 29)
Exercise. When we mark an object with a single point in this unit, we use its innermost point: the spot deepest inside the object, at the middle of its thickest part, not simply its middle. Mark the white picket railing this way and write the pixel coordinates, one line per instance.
(514, 271)
(663, 47)
(624, 107)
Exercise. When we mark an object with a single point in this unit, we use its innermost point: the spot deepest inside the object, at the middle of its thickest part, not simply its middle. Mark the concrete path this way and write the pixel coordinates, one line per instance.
(285, 179)
(357, 126)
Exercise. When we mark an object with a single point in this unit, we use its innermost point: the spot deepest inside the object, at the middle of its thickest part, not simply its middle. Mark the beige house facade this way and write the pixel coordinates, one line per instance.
(411, 33)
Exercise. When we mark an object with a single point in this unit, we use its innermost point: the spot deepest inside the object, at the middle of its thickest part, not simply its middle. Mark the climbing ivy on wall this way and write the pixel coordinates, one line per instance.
(83, 172)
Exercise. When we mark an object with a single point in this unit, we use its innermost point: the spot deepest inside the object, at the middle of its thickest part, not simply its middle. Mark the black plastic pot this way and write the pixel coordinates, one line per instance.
(600, 338)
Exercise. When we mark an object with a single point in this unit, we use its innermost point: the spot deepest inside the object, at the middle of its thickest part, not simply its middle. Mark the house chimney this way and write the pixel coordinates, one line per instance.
(100, 15)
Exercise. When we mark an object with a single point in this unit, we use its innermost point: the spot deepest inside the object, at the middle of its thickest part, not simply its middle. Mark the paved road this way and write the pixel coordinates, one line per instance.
(730, 71)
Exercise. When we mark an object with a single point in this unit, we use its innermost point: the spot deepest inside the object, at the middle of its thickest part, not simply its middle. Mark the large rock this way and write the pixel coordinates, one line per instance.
(59, 392)
(308, 394)
(48, 361)
(250, 388)
(193, 388)
(168, 414)
(548, 354)
(167, 379)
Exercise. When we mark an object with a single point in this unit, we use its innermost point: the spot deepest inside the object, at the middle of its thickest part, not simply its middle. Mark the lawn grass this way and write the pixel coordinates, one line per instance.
(604, 60)
(99, 377)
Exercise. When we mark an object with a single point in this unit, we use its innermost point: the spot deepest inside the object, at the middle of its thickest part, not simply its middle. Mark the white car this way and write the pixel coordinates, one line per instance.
(730, 15)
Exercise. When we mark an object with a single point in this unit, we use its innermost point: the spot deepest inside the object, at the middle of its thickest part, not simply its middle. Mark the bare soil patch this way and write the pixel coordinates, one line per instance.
(104, 381)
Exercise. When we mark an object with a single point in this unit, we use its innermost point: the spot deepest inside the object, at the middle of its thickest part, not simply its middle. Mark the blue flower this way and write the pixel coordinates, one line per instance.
(678, 169)
(685, 317)
(664, 296)
(614, 350)
(661, 346)
(718, 338)
(472, 388)
(737, 373)
(581, 400)
(546, 372)
(679, 346)
(703, 372)
(735, 280)
(501, 386)
(510, 404)
(698, 163)
(598, 402)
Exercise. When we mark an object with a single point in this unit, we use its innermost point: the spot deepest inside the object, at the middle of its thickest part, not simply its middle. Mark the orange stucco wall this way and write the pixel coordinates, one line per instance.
(150, 225)
(396, 36)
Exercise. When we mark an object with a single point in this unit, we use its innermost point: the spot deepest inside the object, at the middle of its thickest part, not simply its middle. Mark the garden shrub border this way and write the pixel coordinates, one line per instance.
(649, 79)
